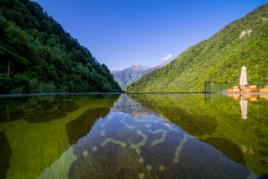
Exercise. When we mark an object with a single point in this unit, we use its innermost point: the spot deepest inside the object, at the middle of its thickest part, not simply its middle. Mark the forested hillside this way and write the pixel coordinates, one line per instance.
(218, 59)
(37, 55)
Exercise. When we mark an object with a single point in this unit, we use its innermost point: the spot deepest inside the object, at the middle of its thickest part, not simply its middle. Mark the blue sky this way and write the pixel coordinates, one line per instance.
(120, 33)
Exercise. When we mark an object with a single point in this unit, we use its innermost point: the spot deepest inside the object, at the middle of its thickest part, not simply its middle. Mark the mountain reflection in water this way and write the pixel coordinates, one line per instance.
(134, 136)
(216, 120)
(132, 142)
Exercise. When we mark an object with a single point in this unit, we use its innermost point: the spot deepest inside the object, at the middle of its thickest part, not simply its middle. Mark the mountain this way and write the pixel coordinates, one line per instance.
(130, 75)
(37, 55)
(133, 73)
(218, 59)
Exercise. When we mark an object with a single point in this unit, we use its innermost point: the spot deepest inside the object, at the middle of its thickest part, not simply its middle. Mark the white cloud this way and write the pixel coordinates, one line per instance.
(167, 57)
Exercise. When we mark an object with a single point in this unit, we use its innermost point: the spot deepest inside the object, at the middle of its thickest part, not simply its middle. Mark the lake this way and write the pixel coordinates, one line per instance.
(134, 136)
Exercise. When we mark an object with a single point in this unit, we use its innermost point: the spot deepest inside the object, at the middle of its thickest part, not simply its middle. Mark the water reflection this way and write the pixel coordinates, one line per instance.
(216, 120)
(5, 155)
(132, 142)
(264, 96)
(35, 110)
(244, 107)
(244, 98)
(39, 129)
(141, 136)
(81, 125)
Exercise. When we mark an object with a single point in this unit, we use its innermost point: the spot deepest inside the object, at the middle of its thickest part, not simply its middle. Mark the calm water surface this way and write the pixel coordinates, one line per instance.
(134, 136)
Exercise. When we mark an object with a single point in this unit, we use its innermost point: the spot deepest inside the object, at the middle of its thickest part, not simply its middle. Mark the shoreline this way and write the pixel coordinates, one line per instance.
(91, 93)
(57, 94)
(244, 93)
(118, 93)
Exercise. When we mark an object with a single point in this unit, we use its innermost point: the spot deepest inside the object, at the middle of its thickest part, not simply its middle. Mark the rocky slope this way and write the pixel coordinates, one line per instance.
(133, 73)
(130, 75)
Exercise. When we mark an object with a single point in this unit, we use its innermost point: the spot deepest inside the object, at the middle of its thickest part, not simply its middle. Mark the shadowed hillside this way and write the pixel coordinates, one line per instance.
(37, 55)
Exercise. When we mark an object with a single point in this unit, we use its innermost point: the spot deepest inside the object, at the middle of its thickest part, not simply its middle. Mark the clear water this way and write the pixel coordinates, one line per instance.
(134, 136)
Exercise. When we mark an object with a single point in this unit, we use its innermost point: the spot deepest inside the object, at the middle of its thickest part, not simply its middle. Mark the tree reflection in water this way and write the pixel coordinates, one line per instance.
(133, 142)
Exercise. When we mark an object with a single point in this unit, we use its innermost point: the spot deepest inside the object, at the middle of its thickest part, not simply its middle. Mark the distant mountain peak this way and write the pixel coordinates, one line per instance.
(138, 66)
(131, 74)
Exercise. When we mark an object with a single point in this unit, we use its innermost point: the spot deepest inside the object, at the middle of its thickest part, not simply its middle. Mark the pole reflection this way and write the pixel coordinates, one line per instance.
(243, 100)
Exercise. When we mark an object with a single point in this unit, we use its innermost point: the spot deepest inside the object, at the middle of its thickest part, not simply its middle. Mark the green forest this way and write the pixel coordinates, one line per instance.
(38, 55)
(217, 59)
